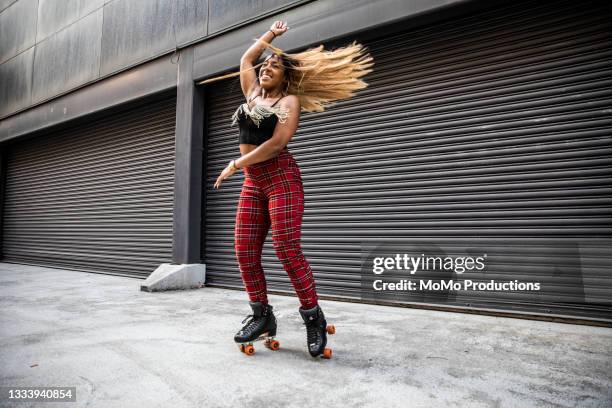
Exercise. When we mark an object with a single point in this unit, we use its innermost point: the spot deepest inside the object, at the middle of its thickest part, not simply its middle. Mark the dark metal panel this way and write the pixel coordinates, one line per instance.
(226, 13)
(95, 197)
(192, 20)
(4, 4)
(490, 131)
(17, 28)
(68, 59)
(54, 15)
(135, 30)
(310, 22)
(15, 82)
(80, 49)
(144, 81)
(188, 164)
(87, 6)
(273, 4)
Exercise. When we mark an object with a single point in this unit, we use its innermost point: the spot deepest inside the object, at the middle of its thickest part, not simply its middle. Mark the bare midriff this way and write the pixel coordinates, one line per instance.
(246, 148)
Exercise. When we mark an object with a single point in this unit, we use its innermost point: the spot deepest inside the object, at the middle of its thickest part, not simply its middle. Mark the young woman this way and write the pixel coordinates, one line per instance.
(272, 194)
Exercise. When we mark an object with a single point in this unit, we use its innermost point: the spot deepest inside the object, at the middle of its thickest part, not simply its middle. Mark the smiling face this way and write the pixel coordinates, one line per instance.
(272, 73)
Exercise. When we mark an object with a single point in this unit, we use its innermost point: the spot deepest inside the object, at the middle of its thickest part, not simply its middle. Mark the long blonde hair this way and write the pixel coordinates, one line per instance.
(319, 77)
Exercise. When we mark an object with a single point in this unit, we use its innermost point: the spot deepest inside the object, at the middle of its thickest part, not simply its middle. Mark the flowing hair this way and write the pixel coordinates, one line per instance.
(319, 77)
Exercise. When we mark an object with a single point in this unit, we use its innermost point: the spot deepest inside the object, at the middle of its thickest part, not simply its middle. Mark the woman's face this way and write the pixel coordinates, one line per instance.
(272, 73)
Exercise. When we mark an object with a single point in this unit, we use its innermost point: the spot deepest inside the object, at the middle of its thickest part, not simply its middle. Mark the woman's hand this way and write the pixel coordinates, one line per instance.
(279, 27)
(227, 171)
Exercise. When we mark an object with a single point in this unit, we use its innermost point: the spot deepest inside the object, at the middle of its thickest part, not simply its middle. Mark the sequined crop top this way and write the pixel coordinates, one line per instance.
(257, 123)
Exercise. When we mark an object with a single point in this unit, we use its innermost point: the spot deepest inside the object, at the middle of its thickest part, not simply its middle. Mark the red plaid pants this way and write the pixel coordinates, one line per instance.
(272, 195)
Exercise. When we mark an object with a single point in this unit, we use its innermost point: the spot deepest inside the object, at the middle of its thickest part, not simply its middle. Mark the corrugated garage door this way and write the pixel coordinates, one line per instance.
(488, 134)
(97, 197)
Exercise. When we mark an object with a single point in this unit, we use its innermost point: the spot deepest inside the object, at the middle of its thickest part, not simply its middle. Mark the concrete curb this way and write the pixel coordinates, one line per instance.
(175, 276)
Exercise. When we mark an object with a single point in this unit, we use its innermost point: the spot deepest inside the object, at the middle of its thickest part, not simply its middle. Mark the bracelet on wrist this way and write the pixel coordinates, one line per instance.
(272, 33)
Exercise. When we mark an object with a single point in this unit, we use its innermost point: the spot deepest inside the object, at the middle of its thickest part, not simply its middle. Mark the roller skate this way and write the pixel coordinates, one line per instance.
(261, 326)
(316, 331)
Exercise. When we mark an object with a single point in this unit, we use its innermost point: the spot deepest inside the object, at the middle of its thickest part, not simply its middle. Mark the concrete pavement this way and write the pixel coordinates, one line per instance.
(122, 347)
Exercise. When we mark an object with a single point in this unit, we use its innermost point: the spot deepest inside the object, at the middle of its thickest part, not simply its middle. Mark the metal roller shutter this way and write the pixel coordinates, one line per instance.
(488, 133)
(97, 197)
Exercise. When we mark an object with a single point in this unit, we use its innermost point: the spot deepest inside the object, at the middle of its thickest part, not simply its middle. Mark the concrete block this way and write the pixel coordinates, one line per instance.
(175, 276)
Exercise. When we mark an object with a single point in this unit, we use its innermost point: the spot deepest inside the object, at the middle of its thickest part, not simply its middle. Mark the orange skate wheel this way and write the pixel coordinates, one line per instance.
(331, 329)
(249, 350)
(327, 353)
(241, 347)
(274, 345)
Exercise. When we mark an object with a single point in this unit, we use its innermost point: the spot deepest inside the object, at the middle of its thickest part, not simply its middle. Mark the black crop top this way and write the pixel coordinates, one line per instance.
(257, 124)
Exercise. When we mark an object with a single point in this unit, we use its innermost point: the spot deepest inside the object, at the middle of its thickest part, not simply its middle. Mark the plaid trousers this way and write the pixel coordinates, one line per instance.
(272, 195)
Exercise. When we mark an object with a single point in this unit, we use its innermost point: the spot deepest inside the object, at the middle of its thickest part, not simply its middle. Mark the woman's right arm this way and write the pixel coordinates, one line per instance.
(248, 78)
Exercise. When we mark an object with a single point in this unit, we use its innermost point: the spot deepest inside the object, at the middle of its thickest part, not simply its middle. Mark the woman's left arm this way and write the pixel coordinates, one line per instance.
(283, 132)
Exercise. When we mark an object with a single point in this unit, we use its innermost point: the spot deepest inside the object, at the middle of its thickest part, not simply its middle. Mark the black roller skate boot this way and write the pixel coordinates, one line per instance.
(261, 326)
(316, 331)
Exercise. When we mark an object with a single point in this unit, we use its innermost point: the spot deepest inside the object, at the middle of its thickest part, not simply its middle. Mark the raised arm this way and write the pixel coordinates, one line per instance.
(248, 78)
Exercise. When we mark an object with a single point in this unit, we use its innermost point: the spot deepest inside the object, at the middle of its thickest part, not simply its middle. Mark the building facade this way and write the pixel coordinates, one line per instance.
(485, 130)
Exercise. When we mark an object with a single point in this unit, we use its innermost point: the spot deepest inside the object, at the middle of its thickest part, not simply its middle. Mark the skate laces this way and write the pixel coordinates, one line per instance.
(251, 323)
(244, 320)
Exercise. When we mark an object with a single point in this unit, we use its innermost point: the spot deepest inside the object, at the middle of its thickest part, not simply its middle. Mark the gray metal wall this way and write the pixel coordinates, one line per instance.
(230, 32)
(131, 28)
(50, 47)
(485, 134)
